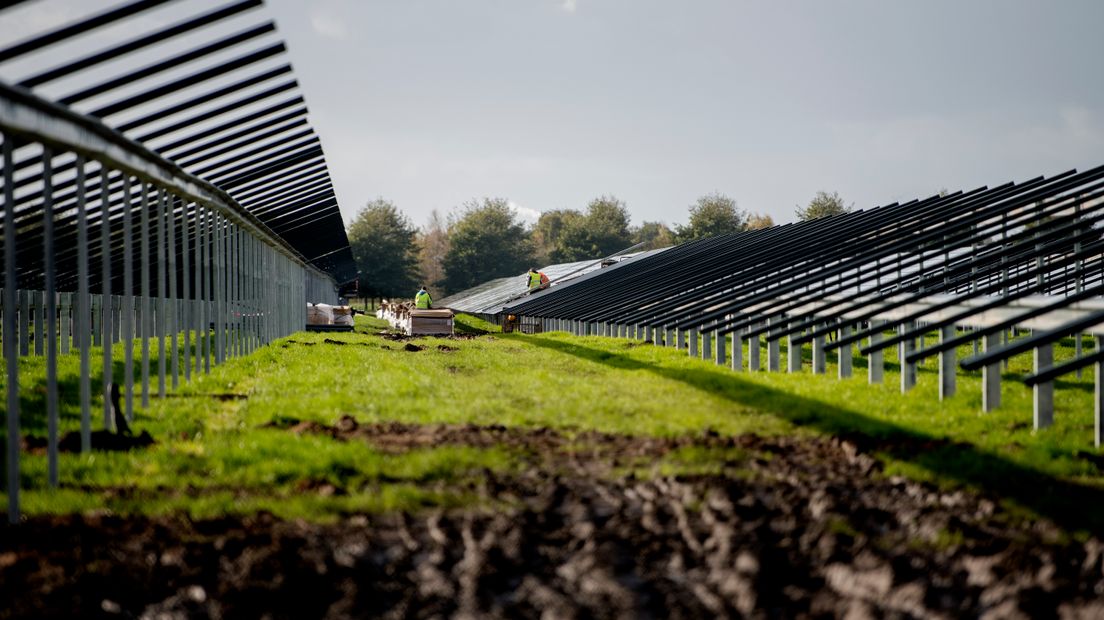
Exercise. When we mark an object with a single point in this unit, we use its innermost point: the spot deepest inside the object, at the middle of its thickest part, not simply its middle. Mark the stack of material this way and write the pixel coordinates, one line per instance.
(343, 315)
(320, 314)
(429, 322)
(324, 317)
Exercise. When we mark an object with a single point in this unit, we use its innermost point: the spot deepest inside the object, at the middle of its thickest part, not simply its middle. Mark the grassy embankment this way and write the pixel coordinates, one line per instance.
(218, 455)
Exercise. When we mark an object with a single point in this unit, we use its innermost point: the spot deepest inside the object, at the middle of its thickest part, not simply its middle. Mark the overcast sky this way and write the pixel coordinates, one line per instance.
(551, 103)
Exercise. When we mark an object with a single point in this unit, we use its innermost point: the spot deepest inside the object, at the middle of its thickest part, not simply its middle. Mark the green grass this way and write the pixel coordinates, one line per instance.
(214, 455)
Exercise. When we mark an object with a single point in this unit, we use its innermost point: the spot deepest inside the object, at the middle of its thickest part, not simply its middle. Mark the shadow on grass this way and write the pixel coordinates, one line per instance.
(1062, 501)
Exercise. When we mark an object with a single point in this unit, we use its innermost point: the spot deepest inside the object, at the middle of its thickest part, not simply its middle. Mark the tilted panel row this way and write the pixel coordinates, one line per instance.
(972, 267)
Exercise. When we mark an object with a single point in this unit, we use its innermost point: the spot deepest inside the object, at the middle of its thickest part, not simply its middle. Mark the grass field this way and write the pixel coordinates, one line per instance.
(223, 444)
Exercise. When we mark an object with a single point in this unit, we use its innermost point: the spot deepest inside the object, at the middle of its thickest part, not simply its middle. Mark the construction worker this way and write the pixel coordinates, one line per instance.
(422, 300)
(536, 280)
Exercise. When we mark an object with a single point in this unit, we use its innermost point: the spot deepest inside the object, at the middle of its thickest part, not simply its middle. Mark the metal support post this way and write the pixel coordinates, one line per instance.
(681, 338)
(1098, 396)
(83, 310)
(875, 362)
(692, 334)
(706, 345)
(722, 345)
(51, 315)
(908, 369)
(10, 361)
(844, 370)
(820, 357)
(173, 328)
(753, 352)
(948, 364)
(144, 276)
(162, 323)
(793, 354)
(1043, 393)
(105, 291)
(990, 377)
(774, 352)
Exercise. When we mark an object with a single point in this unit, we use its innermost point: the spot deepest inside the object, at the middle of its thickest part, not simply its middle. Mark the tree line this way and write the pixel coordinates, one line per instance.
(486, 239)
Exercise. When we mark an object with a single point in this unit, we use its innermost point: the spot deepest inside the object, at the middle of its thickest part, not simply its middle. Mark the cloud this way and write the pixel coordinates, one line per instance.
(328, 26)
(569, 6)
(527, 215)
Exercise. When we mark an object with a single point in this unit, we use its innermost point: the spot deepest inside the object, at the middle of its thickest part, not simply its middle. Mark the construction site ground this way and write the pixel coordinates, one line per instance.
(487, 474)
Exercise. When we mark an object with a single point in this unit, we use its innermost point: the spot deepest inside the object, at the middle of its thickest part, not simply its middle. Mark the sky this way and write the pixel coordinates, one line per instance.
(552, 103)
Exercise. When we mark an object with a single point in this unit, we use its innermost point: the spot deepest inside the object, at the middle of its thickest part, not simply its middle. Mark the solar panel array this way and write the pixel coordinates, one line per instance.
(161, 181)
(969, 266)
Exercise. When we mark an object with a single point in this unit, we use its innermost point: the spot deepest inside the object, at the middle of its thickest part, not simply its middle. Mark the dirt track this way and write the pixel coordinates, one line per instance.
(804, 527)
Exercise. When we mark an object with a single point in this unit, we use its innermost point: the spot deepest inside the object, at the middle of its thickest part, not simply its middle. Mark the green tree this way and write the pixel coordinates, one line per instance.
(603, 230)
(653, 235)
(385, 249)
(433, 245)
(549, 229)
(713, 214)
(823, 205)
(485, 242)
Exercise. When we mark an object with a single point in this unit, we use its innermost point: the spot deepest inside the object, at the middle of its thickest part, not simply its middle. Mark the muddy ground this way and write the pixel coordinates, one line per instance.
(793, 527)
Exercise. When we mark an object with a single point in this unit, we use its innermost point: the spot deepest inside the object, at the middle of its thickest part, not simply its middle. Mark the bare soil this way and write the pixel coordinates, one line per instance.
(801, 528)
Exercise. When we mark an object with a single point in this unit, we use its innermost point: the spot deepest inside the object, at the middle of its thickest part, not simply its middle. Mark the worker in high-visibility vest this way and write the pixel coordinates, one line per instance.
(536, 280)
(422, 300)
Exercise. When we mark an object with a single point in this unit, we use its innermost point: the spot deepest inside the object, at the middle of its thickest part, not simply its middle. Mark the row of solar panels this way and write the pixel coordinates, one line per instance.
(205, 85)
(968, 265)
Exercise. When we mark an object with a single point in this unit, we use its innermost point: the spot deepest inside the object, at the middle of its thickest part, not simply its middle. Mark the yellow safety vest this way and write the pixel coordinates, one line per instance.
(422, 300)
(534, 280)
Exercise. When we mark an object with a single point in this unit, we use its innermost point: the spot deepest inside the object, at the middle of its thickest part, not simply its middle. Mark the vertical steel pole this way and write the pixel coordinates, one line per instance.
(173, 297)
(990, 377)
(1043, 393)
(105, 291)
(220, 314)
(908, 369)
(11, 363)
(844, 355)
(128, 297)
(753, 351)
(875, 362)
(793, 354)
(186, 274)
(774, 349)
(200, 294)
(51, 314)
(820, 357)
(722, 344)
(83, 311)
(162, 323)
(144, 276)
(208, 288)
(947, 364)
(1098, 396)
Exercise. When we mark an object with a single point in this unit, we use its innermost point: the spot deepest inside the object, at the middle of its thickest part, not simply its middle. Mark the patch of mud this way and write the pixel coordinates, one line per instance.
(399, 337)
(814, 533)
(412, 348)
(102, 441)
(446, 349)
(221, 396)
